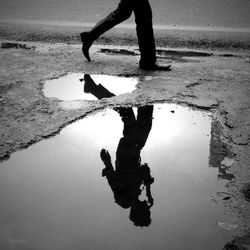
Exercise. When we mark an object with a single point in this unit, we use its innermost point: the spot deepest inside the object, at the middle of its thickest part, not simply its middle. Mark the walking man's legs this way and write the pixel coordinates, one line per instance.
(144, 29)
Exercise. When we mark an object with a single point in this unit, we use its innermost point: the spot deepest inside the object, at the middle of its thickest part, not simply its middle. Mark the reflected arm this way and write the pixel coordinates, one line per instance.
(149, 195)
(147, 181)
(105, 156)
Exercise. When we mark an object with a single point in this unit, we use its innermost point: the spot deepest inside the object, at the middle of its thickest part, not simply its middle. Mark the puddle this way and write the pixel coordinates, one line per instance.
(17, 46)
(181, 56)
(70, 87)
(118, 52)
(183, 53)
(63, 193)
(178, 56)
(173, 53)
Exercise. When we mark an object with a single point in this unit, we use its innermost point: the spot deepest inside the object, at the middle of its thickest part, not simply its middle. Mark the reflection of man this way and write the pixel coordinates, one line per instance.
(218, 152)
(144, 29)
(129, 177)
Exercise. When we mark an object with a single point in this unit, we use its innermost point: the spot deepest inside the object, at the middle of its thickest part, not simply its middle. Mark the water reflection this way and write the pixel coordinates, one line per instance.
(129, 177)
(69, 88)
(218, 152)
(53, 196)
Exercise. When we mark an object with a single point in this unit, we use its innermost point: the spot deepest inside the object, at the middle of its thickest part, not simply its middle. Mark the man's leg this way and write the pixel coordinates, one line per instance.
(145, 33)
(122, 13)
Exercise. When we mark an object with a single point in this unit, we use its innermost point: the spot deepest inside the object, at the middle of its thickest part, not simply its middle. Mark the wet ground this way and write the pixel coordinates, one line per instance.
(62, 193)
(200, 170)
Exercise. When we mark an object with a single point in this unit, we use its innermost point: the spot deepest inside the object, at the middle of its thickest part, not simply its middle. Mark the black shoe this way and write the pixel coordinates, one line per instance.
(89, 84)
(154, 66)
(86, 44)
(98, 91)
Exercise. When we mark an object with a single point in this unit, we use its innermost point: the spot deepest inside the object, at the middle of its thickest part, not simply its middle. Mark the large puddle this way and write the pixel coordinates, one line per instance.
(71, 87)
(130, 178)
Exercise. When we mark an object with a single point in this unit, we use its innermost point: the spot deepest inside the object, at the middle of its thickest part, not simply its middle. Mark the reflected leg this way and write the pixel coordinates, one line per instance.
(98, 91)
(144, 124)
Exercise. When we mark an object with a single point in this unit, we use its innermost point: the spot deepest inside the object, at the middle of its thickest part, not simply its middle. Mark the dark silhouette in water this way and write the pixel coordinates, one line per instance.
(144, 29)
(129, 176)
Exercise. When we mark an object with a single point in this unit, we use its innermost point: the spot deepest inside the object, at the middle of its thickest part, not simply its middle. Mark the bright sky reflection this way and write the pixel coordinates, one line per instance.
(69, 87)
(53, 193)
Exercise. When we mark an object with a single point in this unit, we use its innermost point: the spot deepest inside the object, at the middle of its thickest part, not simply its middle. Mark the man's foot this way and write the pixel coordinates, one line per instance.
(99, 91)
(162, 67)
(86, 44)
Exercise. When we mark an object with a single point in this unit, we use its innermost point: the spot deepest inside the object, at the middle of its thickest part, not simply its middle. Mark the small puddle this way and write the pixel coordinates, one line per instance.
(17, 46)
(71, 87)
(130, 178)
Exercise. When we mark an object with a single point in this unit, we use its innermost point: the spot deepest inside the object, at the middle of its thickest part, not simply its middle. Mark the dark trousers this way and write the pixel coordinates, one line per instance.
(135, 134)
(144, 26)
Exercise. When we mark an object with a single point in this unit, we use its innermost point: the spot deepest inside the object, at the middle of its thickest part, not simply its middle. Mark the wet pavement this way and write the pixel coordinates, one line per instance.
(147, 171)
(57, 196)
